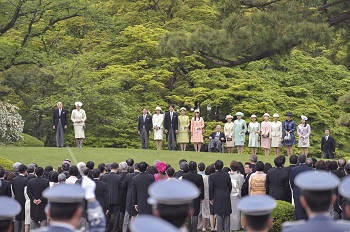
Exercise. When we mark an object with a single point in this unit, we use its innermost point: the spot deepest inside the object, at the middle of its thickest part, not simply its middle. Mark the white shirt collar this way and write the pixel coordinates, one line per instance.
(62, 224)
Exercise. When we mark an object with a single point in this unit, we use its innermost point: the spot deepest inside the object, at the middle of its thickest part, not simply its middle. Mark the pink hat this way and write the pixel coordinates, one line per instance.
(161, 167)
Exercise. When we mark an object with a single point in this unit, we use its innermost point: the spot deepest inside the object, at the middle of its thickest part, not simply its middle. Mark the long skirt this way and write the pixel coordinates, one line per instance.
(235, 217)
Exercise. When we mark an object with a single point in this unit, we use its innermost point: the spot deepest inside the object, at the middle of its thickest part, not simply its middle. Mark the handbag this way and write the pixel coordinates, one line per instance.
(287, 137)
(84, 127)
(229, 139)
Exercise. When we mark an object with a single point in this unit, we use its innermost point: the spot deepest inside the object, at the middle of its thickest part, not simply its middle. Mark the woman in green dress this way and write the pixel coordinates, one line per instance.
(240, 128)
(184, 123)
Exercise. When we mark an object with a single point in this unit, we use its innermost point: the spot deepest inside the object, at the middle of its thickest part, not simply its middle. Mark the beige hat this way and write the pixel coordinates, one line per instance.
(253, 116)
(196, 111)
(78, 104)
(158, 108)
(276, 115)
(183, 109)
(267, 114)
(229, 116)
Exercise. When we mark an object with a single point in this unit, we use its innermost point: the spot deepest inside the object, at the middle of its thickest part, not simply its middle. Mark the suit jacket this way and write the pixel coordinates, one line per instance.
(328, 145)
(112, 181)
(123, 190)
(197, 180)
(18, 185)
(222, 135)
(129, 201)
(168, 122)
(147, 123)
(101, 193)
(5, 188)
(277, 184)
(35, 188)
(295, 171)
(56, 118)
(30, 176)
(339, 172)
(220, 187)
(289, 168)
(140, 185)
(245, 185)
(179, 174)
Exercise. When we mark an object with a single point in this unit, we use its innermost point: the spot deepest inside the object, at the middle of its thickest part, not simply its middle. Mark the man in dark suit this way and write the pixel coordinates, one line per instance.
(59, 123)
(253, 159)
(299, 210)
(5, 186)
(130, 209)
(328, 145)
(220, 187)
(144, 127)
(340, 173)
(30, 171)
(140, 185)
(101, 191)
(197, 180)
(18, 185)
(112, 179)
(277, 181)
(293, 161)
(183, 169)
(171, 122)
(123, 166)
(216, 139)
(35, 189)
(248, 172)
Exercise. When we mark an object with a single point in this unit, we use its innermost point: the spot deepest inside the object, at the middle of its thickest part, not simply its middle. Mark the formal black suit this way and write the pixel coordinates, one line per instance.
(56, 118)
(144, 126)
(339, 173)
(129, 201)
(123, 190)
(289, 170)
(197, 180)
(277, 184)
(35, 188)
(101, 193)
(140, 185)
(171, 124)
(212, 142)
(18, 185)
(328, 147)
(30, 176)
(5, 188)
(245, 185)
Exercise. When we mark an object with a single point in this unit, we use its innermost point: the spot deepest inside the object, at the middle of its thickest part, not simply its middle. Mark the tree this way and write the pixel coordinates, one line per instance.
(11, 123)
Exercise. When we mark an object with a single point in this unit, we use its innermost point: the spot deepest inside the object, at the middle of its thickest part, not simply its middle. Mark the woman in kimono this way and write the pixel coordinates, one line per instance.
(289, 127)
(304, 135)
(240, 128)
(157, 121)
(254, 130)
(265, 134)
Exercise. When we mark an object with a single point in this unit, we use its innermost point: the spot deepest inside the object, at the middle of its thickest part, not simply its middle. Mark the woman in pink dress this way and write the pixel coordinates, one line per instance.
(304, 131)
(161, 168)
(265, 134)
(197, 125)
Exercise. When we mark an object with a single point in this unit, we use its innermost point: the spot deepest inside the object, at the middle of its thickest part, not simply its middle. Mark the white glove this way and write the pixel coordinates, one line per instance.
(89, 186)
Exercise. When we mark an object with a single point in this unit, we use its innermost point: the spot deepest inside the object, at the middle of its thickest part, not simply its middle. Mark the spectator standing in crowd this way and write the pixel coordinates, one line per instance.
(184, 123)
(90, 165)
(216, 140)
(171, 124)
(144, 126)
(289, 127)
(161, 168)
(340, 173)
(101, 191)
(78, 118)
(257, 180)
(328, 145)
(237, 182)
(197, 126)
(123, 166)
(240, 128)
(59, 123)
(30, 171)
(276, 134)
(253, 159)
(157, 122)
(183, 169)
(304, 132)
(277, 181)
(254, 131)
(265, 134)
(8, 210)
(248, 172)
(5, 186)
(73, 175)
(267, 167)
(229, 131)
(344, 194)
(207, 209)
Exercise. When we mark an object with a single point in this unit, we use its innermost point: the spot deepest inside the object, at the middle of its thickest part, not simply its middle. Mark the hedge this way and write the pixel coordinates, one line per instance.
(6, 163)
(282, 213)
(28, 141)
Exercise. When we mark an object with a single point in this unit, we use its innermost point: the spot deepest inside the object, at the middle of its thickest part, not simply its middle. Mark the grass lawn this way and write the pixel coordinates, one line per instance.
(54, 156)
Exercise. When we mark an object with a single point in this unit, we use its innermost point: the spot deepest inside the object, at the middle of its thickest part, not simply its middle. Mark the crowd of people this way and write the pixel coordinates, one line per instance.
(123, 191)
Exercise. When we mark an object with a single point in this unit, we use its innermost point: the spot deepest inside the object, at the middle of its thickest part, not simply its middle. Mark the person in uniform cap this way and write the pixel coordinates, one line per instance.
(8, 210)
(257, 211)
(172, 201)
(344, 197)
(317, 197)
(148, 223)
(65, 207)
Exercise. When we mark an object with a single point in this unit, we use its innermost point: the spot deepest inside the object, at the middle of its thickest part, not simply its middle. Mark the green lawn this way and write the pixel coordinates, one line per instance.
(54, 156)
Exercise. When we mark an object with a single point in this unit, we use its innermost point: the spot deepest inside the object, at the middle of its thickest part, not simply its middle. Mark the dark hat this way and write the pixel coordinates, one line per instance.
(172, 192)
(316, 181)
(344, 188)
(148, 223)
(9, 208)
(288, 114)
(257, 205)
(64, 193)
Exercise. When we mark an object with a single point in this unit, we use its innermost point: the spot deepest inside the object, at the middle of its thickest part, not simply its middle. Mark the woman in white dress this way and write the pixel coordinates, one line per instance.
(229, 134)
(157, 120)
(78, 118)
(276, 134)
(237, 180)
(304, 131)
(254, 130)
(27, 218)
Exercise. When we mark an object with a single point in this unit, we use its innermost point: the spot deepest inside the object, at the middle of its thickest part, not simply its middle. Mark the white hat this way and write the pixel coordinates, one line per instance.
(229, 116)
(158, 108)
(267, 114)
(253, 116)
(303, 117)
(78, 104)
(276, 115)
(196, 111)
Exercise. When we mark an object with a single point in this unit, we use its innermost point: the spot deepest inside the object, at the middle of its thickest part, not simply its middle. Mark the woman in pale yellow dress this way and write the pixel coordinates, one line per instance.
(257, 180)
(184, 123)
(228, 131)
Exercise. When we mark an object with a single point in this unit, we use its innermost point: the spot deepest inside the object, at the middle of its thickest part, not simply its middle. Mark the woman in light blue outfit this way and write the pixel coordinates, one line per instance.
(254, 130)
(240, 128)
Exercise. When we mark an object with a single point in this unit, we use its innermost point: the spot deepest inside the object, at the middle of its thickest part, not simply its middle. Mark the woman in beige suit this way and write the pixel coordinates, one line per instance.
(78, 118)
(276, 134)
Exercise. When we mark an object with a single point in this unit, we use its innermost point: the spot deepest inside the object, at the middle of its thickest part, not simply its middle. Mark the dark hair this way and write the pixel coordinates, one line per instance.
(114, 166)
(347, 169)
(257, 223)
(321, 165)
(54, 177)
(136, 166)
(2, 172)
(226, 169)
(241, 168)
(327, 129)
(293, 159)
(201, 167)
(171, 105)
(219, 165)
(73, 171)
(108, 168)
(278, 162)
(314, 160)
(305, 123)
(144, 108)
(174, 214)
(85, 171)
(63, 211)
(182, 160)
(283, 159)
(90, 165)
(5, 225)
(259, 166)
(22, 168)
(341, 162)
(334, 165)
(302, 158)
(130, 162)
(234, 166)
(184, 166)
(318, 201)
(10, 176)
(143, 166)
(39, 171)
(170, 172)
(247, 163)
(151, 170)
(47, 170)
(267, 167)
(101, 167)
(96, 173)
(192, 166)
(65, 167)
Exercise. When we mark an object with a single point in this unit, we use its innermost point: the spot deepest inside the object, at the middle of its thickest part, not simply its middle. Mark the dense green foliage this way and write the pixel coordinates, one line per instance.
(6, 163)
(118, 56)
(282, 213)
(28, 141)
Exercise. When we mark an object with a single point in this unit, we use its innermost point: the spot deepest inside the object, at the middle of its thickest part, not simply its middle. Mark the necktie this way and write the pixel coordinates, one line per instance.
(144, 118)
(60, 112)
(171, 115)
(326, 138)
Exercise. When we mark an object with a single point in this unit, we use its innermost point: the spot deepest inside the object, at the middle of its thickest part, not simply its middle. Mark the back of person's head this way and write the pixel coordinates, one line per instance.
(15, 166)
(85, 171)
(318, 201)
(278, 161)
(31, 168)
(64, 211)
(2, 172)
(151, 170)
(234, 166)
(309, 163)
(123, 166)
(314, 160)
(341, 162)
(22, 168)
(302, 158)
(65, 167)
(184, 166)
(182, 160)
(174, 214)
(328, 165)
(136, 166)
(39, 171)
(47, 170)
(346, 169)
(321, 165)
(241, 168)
(201, 167)
(283, 159)
(90, 165)
(62, 178)
(253, 158)
(219, 165)
(334, 165)
(259, 166)
(192, 166)
(108, 167)
(293, 159)
(81, 166)
(114, 166)
(170, 172)
(267, 167)
(226, 169)
(257, 223)
(96, 173)
(101, 167)
(130, 162)
(73, 171)
(143, 166)
(54, 177)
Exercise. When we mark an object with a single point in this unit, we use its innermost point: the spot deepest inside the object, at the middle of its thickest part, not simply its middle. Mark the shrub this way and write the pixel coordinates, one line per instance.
(282, 213)
(28, 141)
(6, 164)
(11, 123)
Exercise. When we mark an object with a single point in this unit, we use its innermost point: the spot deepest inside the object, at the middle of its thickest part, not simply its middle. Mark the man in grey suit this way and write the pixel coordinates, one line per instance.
(144, 126)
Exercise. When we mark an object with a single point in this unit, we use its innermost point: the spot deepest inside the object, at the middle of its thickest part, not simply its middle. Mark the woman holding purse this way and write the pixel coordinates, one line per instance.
(197, 125)
(228, 131)
(240, 128)
(157, 121)
(254, 130)
(78, 118)
(265, 134)
(289, 127)
(184, 123)
(304, 131)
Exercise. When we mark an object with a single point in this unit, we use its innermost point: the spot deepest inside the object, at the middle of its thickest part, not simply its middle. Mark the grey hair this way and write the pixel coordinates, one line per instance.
(123, 166)
(61, 177)
(183, 165)
(31, 166)
(81, 166)
(15, 166)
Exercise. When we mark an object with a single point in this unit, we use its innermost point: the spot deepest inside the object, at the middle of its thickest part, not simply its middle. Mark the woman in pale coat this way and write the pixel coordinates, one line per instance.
(237, 180)
(254, 130)
(78, 118)
(240, 128)
(197, 126)
(228, 131)
(276, 134)
(157, 120)
(265, 134)
(304, 131)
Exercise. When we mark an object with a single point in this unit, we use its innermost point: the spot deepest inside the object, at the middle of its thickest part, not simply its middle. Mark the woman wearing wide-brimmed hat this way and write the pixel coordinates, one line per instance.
(304, 131)
(254, 130)
(228, 131)
(184, 123)
(157, 121)
(78, 118)
(276, 134)
(289, 127)
(265, 134)
(240, 128)
(197, 125)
